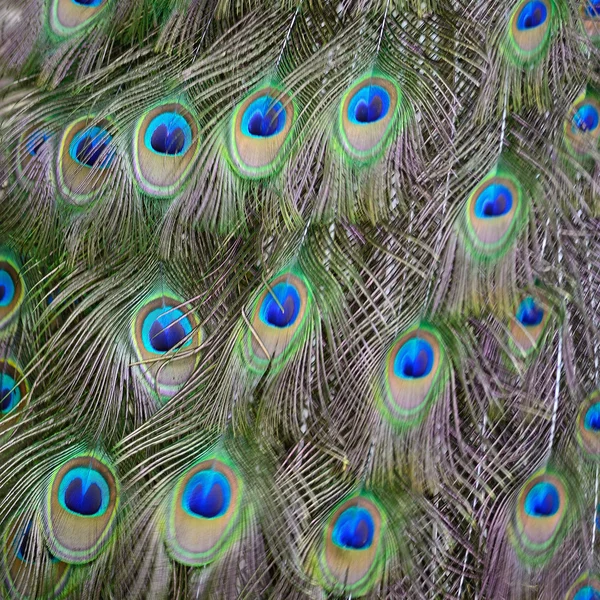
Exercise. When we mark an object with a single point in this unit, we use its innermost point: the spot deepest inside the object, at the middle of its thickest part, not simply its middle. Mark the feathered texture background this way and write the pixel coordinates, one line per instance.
(299, 299)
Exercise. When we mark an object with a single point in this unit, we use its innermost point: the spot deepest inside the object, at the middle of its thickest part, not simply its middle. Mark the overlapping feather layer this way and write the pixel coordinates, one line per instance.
(299, 299)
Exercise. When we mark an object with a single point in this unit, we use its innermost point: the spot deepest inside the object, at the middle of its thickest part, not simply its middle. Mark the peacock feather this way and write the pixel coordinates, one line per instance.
(80, 507)
(29, 568)
(299, 299)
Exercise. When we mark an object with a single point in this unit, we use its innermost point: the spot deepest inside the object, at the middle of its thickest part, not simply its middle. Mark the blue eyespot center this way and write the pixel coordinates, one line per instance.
(91, 148)
(165, 328)
(593, 9)
(263, 125)
(264, 117)
(7, 288)
(368, 105)
(87, 3)
(35, 142)
(369, 112)
(10, 393)
(169, 133)
(354, 529)
(84, 492)
(7, 400)
(542, 500)
(25, 550)
(86, 502)
(207, 494)
(414, 359)
(24, 545)
(529, 313)
(592, 417)
(494, 200)
(166, 338)
(284, 311)
(587, 593)
(168, 142)
(532, 15)
(586, 118)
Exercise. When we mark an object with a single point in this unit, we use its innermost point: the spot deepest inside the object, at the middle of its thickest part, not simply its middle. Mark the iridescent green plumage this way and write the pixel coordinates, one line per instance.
(299, 299)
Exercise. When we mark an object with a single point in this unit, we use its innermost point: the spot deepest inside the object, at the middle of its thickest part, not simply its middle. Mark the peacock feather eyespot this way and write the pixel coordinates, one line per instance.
(13, 394)
(80, 508)
(351, 557)
(68, 17)
(588, 426)
(494, 201)
(166, 142)
(587, 593)
(414, 371)
(281, 307)
(259, 131)
(263, 118)
(592, 418)
(278, 320)
(86, 154)
(204, 511)
(582, 129)
(587, 587)
(168, 134)
(23, 545)
(19, 555)
(164, 326)
(207, 494)
(353, 529)
(91, 148)
(84, 492)
(414, 359)
(542, 500)
(33, 146)
(92, 3)
(12, 288)
(369, 105)
(368, 113)
(529, 313)
(164, 329)
(530, 28)
(539, 519)
(528, 324)
(591, 8)
(590, 17)
(36, 141)
(493, 216)
(586, 118)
